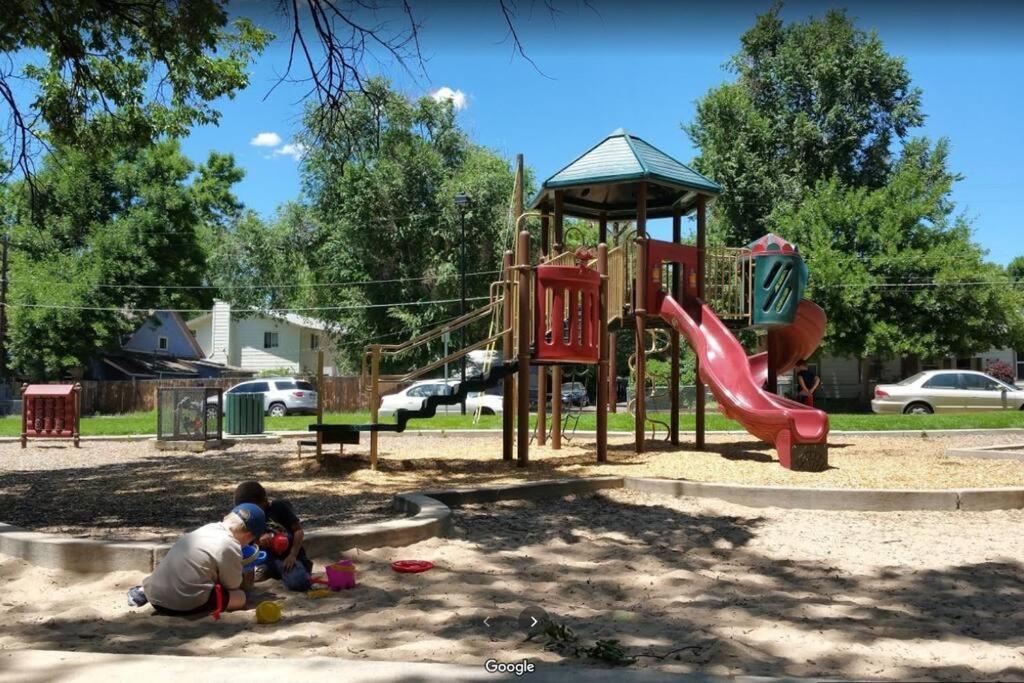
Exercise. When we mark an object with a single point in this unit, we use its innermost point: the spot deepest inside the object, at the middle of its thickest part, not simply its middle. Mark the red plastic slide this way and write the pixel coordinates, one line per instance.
(792, 342)
(724, 367)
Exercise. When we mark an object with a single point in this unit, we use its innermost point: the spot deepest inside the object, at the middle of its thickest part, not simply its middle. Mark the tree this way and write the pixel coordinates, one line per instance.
(1015, 269)
(119, 71)
(895, 268)
(812, 141)
(380, 191)
(812, 101)
(108, 234)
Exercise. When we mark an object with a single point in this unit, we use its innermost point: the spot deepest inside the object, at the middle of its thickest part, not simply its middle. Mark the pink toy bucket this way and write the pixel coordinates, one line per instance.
(341, 575)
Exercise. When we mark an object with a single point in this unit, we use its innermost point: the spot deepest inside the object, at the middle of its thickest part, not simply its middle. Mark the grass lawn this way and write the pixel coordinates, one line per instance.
(145, 423)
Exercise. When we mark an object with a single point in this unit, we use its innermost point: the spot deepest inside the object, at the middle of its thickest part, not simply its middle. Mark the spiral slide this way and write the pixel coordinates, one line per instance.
(736, 382)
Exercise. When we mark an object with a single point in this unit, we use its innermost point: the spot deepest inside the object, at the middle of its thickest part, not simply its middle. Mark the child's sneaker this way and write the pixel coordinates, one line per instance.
(136, 597)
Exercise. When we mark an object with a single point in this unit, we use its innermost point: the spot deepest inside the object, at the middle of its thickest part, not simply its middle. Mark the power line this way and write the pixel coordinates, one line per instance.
(354, 283)
(147, 309)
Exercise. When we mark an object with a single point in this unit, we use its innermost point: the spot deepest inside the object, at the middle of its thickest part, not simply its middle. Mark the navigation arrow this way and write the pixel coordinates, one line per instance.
(485, 622)
(534, 622)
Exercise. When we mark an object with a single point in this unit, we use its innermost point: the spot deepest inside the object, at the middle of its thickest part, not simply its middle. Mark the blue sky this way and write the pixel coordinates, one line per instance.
(642, 65)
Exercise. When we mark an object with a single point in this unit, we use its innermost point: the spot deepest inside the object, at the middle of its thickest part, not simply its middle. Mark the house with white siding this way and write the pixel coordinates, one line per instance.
(256, 341)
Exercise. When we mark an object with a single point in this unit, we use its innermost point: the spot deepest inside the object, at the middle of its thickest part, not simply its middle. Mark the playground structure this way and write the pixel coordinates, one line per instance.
(569, 307)
(51, 411)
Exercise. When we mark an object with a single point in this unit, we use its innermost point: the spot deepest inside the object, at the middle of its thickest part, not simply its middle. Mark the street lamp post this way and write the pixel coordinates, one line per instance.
(462, 203)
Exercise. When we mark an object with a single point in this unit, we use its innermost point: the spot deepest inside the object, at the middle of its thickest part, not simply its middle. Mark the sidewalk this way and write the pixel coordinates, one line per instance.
(39, 666)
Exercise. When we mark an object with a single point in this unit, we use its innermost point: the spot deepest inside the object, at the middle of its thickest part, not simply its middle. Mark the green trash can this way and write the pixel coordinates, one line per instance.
(244, 413)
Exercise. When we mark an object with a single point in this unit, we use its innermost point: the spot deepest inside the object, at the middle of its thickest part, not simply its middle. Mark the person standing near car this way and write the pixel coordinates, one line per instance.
(808, 383)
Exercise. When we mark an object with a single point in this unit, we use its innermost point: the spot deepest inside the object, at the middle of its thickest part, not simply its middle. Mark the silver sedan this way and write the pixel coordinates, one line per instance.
(947, 391)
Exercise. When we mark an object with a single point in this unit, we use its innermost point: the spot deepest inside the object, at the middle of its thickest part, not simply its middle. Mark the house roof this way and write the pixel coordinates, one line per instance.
(294, 319)
(137, 365)
(603, 180)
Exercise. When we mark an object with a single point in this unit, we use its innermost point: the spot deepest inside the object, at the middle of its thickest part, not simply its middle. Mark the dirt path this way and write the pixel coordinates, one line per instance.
(767, 592)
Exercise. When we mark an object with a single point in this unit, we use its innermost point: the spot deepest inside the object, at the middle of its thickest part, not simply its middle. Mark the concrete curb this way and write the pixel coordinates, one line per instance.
(429, 518)
(801, 498)
(1008, 451)
(552, 488)
(78, 554)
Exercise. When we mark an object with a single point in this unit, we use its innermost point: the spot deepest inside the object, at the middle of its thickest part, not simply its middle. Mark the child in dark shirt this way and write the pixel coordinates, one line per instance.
(288, 563)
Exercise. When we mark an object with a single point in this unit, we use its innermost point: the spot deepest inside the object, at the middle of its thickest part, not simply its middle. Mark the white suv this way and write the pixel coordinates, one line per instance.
(281, 395)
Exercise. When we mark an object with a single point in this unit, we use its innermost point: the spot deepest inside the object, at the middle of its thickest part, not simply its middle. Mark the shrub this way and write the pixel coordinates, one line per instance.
(1001, 371)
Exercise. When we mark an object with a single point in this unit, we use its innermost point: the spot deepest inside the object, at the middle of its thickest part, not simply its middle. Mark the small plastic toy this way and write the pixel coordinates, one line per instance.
(341, 575)
(268, 612)
(253, 557)
(411, 566)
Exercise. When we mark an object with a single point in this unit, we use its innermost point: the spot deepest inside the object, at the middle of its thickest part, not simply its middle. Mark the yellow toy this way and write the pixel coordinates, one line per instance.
(268, 612)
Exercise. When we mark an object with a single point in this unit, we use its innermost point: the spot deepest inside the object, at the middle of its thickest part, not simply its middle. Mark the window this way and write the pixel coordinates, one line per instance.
(419, 392)
(254, 388)
(284, 385)
(305, 386)
(980, 383)
(270, 340)
(910, 380)
(314, 342)
(161, 343)
(944, 380)
(1020, 364)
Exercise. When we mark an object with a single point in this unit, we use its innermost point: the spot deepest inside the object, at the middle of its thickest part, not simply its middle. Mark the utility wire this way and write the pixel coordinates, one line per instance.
(146, 309)
(354, 283)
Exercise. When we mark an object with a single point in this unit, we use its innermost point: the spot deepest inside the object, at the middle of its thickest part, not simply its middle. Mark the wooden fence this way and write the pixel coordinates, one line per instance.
(341, 394)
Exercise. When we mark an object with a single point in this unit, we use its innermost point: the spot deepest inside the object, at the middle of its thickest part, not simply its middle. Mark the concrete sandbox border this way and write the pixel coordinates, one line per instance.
(428, 515)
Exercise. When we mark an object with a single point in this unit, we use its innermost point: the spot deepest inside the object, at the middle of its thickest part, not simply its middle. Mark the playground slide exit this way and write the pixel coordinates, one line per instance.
(736, 385)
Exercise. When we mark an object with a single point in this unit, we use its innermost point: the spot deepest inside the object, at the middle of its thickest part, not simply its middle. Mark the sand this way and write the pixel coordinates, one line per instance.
(931, 595)
(159, 494)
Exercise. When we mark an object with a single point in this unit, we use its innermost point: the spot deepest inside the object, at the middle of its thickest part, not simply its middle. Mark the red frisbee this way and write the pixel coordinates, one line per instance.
(411, 566)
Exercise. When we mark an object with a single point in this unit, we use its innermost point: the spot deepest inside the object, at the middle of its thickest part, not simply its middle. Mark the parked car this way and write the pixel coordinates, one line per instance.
(943, 391)
(412, 397)
(281, 395)
(575, 394)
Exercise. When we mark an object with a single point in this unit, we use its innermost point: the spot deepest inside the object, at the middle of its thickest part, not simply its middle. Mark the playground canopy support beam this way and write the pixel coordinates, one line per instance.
(374, 401)
(640, 311)
(698, 384)
(508, 396)
(602, 363)
(320, 403)
(677, 237)
(556, 371)
(542, 372)
(523, 396)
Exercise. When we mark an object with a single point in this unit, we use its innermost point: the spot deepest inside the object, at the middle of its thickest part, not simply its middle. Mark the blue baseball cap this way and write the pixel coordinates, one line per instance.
(253, 516)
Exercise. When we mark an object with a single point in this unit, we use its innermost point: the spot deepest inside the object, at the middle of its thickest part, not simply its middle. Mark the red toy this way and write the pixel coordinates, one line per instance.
(411, 566)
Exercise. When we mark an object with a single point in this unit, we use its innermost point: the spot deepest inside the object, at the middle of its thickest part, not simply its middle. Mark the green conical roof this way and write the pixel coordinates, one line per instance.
(603, 180)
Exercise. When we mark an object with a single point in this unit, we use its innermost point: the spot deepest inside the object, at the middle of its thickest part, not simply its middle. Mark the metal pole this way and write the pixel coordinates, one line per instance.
(462, 303)
(640, 312)
(508, 399)
(677, 237)
(602, 363)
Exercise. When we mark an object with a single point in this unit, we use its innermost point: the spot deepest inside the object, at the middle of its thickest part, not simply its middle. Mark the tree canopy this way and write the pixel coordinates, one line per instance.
(108, 234)
(813, 141)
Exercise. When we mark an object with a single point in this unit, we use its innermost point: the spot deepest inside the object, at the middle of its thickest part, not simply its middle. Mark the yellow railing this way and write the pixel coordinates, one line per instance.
(728, 273)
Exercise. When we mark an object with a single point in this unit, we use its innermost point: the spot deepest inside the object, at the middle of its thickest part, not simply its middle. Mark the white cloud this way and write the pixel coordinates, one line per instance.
(266, 140)
(295, 150)
(456, 97)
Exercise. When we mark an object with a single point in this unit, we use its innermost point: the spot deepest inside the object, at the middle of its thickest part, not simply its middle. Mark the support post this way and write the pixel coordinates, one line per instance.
(677, 237)
(374, 401)
(542, 372)
(699, 385)
(523, 412)
(556, 371)
(613, 381)
(6, 244)
(640, 311)
(319, 403)
(508, 395)
(772, 384)
(602, 362)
